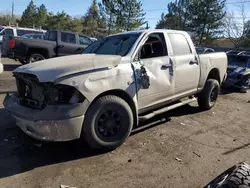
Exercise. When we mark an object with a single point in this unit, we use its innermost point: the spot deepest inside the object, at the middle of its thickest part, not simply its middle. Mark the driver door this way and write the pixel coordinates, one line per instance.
(159, 67)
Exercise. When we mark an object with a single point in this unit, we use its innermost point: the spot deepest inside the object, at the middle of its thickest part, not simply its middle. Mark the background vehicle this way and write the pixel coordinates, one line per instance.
(17, 31)
(55, 44)
(33, 36)
(202, 50)
(117, 82)
(238, 70)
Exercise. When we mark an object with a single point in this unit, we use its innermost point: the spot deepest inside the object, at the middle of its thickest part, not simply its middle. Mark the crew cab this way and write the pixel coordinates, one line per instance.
(117, 82)
(56, 43)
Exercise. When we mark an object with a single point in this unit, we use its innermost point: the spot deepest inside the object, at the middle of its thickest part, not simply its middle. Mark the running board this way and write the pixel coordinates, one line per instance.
(166, 109)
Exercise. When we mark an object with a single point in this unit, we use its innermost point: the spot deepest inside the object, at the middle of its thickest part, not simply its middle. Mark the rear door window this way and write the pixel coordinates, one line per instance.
(68, 38)
(179, 44)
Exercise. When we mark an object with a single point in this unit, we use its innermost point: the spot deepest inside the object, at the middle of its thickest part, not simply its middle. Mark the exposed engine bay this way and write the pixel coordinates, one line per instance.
(32, 93)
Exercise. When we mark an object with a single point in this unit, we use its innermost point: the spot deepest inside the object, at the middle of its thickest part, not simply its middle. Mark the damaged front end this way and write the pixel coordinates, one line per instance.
(46, 111)
(32, 93)
(238, 71)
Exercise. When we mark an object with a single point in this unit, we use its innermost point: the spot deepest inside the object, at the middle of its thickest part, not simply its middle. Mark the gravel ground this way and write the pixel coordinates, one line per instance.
(187, 151)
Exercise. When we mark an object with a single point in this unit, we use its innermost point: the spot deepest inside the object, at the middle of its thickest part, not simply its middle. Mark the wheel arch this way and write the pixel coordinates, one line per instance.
(126, 97)
(41, 51)
(214, 74)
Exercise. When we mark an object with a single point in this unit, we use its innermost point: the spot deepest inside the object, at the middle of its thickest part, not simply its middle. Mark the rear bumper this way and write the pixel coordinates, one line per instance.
(12, 55)
(53, 123)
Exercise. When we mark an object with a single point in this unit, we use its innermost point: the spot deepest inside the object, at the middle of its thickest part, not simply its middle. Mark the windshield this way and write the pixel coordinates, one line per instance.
(113, 45)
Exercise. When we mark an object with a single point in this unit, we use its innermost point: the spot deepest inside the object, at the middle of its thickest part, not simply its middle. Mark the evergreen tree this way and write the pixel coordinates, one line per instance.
(130, 15)
(93, 24)
(29, 16)
(41, 16)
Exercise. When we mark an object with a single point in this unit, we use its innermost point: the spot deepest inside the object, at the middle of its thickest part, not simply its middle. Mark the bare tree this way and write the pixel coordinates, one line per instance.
(234, 24)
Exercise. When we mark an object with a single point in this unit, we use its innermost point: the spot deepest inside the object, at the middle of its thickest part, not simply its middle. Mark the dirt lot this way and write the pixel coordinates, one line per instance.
(205, 144)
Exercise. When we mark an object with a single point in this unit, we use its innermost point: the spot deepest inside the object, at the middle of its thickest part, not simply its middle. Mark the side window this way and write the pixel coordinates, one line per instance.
(51, 35)
(155, 46)
(84, 40)
(8, 32)
(179, 44)
(68, 38)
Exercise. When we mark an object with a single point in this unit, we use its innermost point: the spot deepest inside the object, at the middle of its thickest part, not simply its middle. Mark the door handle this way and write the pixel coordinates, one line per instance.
(193, 62)
(60, 46)
(167, 66)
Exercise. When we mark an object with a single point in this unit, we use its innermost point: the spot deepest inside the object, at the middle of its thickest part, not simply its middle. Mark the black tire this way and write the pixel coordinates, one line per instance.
(208, 96)
(108, 123)
(22, 62)
(34, 57)
(237, 176)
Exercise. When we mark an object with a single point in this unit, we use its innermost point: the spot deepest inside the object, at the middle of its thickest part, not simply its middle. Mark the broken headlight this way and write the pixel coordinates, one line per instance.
(63, 94)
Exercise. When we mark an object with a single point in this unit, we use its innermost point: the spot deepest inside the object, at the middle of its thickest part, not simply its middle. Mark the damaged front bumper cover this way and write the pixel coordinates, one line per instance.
(54, 123)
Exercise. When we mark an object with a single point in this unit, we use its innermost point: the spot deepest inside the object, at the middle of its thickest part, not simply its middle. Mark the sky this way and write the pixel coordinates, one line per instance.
(153, 8)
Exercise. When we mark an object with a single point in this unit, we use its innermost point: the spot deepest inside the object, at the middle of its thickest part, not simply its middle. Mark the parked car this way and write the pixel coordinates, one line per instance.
(202, 50)
(93, 39)
(238, 70)
(17, 31)
(34, 36)
(56, 43)
(117, 82)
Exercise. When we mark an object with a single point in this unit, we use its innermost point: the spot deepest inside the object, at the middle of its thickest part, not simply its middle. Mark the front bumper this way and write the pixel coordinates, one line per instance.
(54, 123)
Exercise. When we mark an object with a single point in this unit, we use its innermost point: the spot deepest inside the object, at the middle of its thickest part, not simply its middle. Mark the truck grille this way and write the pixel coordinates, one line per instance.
(30, 91)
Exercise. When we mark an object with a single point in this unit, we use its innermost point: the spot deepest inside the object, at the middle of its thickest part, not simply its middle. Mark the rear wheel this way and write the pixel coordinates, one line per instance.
(34, 57)
(22, 62)
(108, 122)
(208, 96)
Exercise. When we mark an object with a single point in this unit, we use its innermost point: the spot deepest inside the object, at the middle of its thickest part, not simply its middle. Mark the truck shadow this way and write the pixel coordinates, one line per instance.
(19, 153)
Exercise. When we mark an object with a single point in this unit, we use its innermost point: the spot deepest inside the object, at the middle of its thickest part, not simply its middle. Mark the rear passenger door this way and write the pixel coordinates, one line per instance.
(67, 44)
(187, 68)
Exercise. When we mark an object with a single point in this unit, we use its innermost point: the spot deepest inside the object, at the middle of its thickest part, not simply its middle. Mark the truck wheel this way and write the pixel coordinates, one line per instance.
(35, 57)
(108, 123)
(208, 96)
(236, 177)
(22, 62)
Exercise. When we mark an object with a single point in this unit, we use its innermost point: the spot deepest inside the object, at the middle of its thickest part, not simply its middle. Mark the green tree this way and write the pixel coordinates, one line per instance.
(177, 17)
(5, 19)
(207, 17)
(60, 21)
(202, 17)
(41, 15)
(130, 15)
(108, 12)
(29, 16)
(93, 24)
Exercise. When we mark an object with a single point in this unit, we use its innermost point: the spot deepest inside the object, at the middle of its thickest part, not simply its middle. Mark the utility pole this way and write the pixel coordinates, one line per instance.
(12, 12)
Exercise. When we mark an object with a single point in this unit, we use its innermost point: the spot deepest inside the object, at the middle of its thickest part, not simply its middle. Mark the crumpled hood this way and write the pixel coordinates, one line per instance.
(51, 69)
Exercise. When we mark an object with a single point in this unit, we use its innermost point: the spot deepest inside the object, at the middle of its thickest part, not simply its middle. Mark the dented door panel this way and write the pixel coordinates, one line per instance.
(160, 72)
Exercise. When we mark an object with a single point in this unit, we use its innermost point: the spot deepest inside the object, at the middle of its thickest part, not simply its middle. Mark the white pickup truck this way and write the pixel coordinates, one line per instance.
(117, 82)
